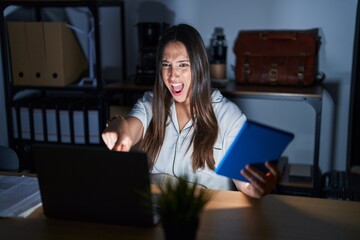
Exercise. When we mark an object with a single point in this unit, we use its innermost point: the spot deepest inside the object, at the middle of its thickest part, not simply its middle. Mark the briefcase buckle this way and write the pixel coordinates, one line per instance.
(273, 75)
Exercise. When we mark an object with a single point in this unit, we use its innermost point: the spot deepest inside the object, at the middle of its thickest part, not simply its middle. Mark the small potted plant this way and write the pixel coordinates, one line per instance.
(179, 205)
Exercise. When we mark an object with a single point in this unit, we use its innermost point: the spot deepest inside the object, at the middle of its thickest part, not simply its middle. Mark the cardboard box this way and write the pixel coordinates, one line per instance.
(44, 54)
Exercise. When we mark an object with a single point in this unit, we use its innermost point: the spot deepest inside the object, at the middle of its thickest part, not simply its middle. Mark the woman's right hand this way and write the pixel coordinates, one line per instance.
(119, 134)
(115, 136)
(116, 142)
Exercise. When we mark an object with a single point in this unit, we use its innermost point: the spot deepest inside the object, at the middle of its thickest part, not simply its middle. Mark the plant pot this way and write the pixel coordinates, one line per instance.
(186, 230)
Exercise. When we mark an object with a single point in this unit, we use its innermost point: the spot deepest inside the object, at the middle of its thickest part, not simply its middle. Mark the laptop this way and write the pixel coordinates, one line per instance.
(91, 183)
(255, 144)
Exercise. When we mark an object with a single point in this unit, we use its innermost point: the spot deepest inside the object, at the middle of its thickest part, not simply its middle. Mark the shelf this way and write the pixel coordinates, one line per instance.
(90, 111)
(235, 90)
(64, 89)
(60, 3)
(231, 89)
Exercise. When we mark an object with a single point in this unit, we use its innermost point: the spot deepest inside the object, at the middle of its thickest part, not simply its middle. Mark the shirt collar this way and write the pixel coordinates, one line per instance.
(216, 96)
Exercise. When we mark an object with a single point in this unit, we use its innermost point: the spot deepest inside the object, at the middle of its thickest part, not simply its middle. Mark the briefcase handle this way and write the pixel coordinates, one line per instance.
(285, 35)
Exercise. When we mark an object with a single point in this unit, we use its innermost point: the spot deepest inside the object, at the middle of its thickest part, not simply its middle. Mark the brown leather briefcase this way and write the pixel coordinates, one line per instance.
(277, 57)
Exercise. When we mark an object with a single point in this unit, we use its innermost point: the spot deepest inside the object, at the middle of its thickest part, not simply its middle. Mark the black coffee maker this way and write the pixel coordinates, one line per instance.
(148, 35)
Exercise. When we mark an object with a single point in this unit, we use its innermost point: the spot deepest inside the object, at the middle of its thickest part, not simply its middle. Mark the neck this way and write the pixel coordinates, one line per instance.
(182, 113)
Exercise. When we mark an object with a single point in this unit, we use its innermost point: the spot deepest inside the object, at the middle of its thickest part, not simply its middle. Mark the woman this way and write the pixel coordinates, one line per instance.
(184, 126)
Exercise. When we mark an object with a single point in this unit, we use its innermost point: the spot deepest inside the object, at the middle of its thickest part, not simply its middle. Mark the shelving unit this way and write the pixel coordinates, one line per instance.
(71, 92)
(309, 95)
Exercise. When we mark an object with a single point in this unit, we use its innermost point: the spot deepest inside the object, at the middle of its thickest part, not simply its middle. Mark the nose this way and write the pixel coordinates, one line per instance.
(172, 72)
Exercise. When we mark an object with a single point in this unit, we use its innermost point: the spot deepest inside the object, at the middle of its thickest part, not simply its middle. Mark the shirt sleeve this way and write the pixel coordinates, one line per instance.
(235, 120)
(143, 109)
(230, 120)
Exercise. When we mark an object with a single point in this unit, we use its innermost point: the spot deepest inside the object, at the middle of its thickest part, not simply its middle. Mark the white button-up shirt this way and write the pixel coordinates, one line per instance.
(174, 158)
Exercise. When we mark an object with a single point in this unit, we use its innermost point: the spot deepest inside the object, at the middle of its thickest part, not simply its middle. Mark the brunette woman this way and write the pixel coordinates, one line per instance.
(184, 126)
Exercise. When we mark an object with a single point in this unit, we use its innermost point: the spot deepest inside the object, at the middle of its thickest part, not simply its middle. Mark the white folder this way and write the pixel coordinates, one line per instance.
(79, 128)
(51, 125)
(38, 124)
(93, 123)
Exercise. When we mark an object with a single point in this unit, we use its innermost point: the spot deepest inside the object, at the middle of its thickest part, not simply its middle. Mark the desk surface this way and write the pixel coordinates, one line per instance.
(229, 215)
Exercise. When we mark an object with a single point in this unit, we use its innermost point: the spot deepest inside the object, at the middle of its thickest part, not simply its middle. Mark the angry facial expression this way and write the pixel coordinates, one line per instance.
(176, 71)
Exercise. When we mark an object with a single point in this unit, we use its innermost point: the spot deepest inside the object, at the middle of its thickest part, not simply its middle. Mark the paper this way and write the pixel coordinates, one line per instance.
(19, 196)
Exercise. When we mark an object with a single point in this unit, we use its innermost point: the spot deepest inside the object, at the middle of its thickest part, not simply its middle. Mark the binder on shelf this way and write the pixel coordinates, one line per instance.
(51, 124)
(87, 128)
(38, 122)
(25, 123)
(56, 116)
(65, 129)
(78, 117)
(57, 119)
(77, 120)
(66, 119)
(38, 125)
(93, 123)
(36, 53)
(94, 120)
(18, 46)
(45, 54)
(21, 114)
(59, 110)
(44, 120)
(67, 61)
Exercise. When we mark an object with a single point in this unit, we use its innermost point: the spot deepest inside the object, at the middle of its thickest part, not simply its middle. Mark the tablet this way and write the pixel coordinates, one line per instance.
(255, 144)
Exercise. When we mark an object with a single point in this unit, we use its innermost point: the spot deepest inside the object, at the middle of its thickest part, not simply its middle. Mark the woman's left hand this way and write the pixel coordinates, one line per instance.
(260, 183)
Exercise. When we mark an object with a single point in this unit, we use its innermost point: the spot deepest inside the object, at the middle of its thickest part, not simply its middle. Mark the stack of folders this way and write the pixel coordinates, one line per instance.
(57, 119)
(300, 173)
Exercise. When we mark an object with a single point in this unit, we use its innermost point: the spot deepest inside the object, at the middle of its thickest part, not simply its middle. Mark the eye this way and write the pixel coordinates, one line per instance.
(165, 65)
(184, 64)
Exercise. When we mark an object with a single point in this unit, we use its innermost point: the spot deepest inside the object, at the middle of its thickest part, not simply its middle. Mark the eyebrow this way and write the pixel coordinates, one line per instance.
(181, 61)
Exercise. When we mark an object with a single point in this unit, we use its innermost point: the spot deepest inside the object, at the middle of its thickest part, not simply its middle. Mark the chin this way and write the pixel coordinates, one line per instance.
(179, 99)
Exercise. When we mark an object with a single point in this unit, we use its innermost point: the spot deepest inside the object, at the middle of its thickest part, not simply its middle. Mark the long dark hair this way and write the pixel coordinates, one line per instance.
(202, 114)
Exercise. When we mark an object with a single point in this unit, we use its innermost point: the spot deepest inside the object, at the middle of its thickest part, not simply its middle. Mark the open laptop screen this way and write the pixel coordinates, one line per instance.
(92, 183)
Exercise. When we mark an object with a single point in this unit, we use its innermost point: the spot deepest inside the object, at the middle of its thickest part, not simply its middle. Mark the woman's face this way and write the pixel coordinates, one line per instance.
(176, 71)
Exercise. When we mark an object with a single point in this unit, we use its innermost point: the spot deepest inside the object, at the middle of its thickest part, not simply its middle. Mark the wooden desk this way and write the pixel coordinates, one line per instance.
(229, 215)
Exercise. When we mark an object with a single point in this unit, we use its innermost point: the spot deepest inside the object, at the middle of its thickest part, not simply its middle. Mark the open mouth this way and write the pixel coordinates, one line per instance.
(177, 88)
